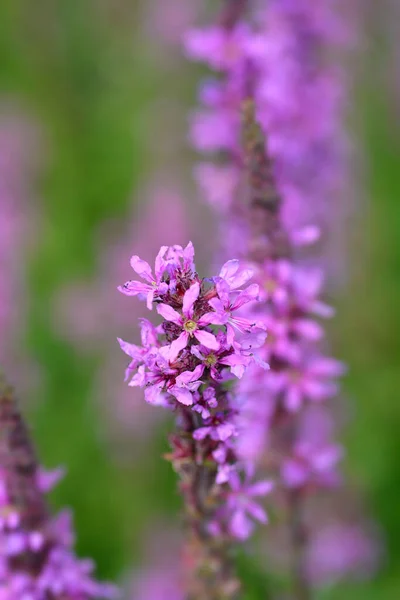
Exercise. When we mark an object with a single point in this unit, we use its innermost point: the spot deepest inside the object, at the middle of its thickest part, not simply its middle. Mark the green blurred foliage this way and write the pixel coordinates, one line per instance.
(80, 69)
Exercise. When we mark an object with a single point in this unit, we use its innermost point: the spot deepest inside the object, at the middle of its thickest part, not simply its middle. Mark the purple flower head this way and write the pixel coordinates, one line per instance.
(244, 509)
(220, 49)
(312, 465)
(198, 332)
(166, 262)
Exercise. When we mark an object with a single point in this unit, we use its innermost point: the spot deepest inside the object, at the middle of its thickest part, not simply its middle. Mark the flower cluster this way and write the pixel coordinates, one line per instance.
(285, 63)
(188, 363)
(37, 561)
(284, 66)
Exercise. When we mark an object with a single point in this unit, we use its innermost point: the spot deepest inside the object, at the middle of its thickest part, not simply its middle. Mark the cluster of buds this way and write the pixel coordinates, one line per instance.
(189, 363)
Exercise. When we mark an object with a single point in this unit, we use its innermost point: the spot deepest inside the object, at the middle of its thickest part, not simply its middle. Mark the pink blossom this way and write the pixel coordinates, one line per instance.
(244, 508)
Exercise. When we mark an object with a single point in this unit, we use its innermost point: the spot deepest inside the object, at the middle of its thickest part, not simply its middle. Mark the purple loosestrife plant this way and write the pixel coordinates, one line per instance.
(37, 561)
(189, 364)
(286, 68)
(300, 373)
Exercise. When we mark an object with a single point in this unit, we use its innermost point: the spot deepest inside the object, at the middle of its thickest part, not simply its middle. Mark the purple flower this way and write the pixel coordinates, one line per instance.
(244, 510)
(190, 323)
(310, 380)
(154, 286)
(311, 465)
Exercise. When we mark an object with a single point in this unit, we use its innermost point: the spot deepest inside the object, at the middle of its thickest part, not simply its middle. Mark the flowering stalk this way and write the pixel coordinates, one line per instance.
(189, 364)
(271, 232)
(36, 559)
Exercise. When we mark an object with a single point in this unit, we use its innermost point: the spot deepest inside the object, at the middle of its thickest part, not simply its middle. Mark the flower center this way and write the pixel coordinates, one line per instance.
(190, 326)
(270, 286)
(210, 360)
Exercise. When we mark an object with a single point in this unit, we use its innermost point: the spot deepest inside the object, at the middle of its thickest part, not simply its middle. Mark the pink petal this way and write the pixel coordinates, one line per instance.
(248, 295)
(241, 526)
(323, 310)
(153, 394)
(188, 255)
(217, 305)
(327, 458)
(178, 345)
(293, 399)
(319, 390)
(169, 314)
(261, 488)
(142, 268)
(184, 396)
(294, 474)
(327, 367)
(207, 339)
(129, 349)
(212, 318)
(309, 329)
(307, 235)
(257, 512)
(190, 298)
(226, 431)
(229, 269)
(241, 278)
(147, 333)
(201, 433)
(160, 262)
(189, 376)
(133, 288)
(149, 299)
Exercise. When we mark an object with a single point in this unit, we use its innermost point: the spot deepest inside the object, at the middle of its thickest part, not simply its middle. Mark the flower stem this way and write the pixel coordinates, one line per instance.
(232, 12)
(298, 541)
(208, 557)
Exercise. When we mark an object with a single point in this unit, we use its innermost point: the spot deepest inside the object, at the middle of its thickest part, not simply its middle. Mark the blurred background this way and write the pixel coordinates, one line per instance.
(95, 166)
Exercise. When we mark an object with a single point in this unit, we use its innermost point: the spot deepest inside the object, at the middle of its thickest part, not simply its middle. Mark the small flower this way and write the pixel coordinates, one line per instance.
(242, 506)
(190, 324)
(311, 464)
(309, 381)
(154, 286)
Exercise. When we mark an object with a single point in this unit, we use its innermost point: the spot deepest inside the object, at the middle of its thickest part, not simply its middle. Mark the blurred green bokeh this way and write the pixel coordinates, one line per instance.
(84, 71)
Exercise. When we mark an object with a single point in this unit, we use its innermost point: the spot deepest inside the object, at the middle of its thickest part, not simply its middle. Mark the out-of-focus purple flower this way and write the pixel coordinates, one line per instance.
(311, 465)
(245, 510)
(37, 559)
(341, 550)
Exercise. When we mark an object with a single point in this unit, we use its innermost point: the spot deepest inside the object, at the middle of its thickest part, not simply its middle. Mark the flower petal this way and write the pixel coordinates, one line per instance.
(130, 349)
(189, 376)
(169, 314)
(190, 298)
(160, 263)
(229, 269)
(257, 512)
(261, 488)
(248, 295)
(240, 525)
(183, 395)
(207, 339)
(178, 345)
(153, 394)
(133, 288)
(142, 268)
